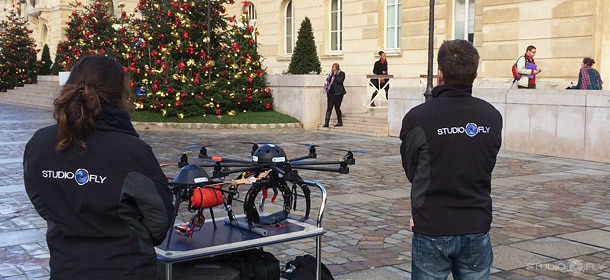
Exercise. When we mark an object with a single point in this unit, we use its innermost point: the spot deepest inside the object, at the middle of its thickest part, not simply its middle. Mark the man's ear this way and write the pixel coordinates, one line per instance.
(439, 78)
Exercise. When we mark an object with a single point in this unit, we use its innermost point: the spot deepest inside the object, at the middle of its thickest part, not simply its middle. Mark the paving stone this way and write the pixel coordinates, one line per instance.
(547, 210)
(594, 237)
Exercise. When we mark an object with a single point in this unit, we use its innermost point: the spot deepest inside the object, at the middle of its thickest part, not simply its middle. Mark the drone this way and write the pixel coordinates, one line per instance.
(268, 168)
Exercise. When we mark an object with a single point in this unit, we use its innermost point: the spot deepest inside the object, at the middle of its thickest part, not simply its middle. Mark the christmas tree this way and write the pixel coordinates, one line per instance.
(93, 30)
(45, 61)
(245, 80)
(186, 62)
(18, 64)
(305, 57)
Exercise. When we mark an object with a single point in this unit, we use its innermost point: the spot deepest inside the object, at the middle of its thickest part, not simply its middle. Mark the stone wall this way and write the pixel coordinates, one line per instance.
(563, 123)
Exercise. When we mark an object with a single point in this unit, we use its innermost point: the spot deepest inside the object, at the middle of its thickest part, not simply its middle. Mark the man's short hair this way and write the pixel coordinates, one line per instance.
(459, 61)
(530, 47)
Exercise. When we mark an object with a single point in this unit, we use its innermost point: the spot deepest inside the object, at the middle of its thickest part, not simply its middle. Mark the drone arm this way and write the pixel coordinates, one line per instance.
(316, 163)
(302, 158)
(342, 169)
(222, 173)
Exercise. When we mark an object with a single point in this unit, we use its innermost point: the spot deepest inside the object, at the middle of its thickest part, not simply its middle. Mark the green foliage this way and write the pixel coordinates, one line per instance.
(239, 118)
(91, 31)
(45, 61)
(179, 70)
(305, 57)
(18, 64)
(55, 67)
(179, 64)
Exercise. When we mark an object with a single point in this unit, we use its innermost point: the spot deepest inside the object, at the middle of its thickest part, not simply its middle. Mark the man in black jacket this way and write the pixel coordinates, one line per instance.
(449, 149)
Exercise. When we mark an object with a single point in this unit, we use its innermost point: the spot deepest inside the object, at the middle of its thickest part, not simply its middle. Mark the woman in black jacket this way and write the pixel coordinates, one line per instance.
(99, 187)
(334, 89)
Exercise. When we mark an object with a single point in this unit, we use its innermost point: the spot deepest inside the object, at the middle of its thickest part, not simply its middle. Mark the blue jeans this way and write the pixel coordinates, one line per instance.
(467, 257)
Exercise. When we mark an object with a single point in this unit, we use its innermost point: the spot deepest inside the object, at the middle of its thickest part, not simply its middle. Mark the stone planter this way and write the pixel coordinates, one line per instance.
(302, 97)
(298, 96)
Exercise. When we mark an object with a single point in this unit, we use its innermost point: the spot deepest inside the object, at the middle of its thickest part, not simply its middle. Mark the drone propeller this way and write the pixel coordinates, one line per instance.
(350, 150)
(308, 145)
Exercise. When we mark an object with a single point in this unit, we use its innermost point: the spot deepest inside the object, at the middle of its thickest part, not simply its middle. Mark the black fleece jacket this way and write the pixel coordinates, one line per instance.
(449, 148)
(105, 207)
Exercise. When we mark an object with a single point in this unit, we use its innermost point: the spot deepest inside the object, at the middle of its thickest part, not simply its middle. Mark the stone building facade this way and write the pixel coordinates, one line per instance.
(351, 32)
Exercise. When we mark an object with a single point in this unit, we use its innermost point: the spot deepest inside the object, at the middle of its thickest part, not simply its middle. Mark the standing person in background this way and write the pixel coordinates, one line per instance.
(334, 89)
(528, 69)
(380, 68)
(588, 77)
(449, 149)
(99, 187)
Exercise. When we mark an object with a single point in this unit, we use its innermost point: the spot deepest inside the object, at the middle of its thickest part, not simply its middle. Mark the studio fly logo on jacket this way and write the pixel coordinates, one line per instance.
(470, 129)
(81, 176)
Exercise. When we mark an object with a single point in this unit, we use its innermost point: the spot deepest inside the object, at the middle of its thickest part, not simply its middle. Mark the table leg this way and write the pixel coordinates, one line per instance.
(319, 257)
(168, 271)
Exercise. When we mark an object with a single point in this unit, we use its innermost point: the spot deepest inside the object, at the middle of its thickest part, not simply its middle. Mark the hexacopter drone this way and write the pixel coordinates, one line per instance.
(269, 168)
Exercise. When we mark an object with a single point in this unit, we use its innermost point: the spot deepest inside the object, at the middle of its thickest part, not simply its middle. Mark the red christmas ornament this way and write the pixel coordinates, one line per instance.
(218, 112)
(268, 106)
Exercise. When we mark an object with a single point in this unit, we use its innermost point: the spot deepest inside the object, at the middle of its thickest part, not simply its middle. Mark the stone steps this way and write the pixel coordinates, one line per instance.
(373, 123)
(40, 95)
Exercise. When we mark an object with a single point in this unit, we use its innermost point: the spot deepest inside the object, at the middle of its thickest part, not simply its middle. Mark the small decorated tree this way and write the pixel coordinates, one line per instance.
(246, 78)
(191, 59)
(93, 30)
(45, 61)
(304, 58)
(18, 61)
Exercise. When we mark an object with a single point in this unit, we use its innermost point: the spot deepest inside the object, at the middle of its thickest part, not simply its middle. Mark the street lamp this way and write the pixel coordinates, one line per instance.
(428, 92)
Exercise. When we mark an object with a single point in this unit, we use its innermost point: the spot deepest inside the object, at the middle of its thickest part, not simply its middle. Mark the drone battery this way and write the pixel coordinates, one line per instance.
(201, 269)
(206, 198)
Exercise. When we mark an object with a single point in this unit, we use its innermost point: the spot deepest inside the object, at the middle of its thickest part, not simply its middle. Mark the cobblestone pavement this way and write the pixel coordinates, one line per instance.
(551, 215)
